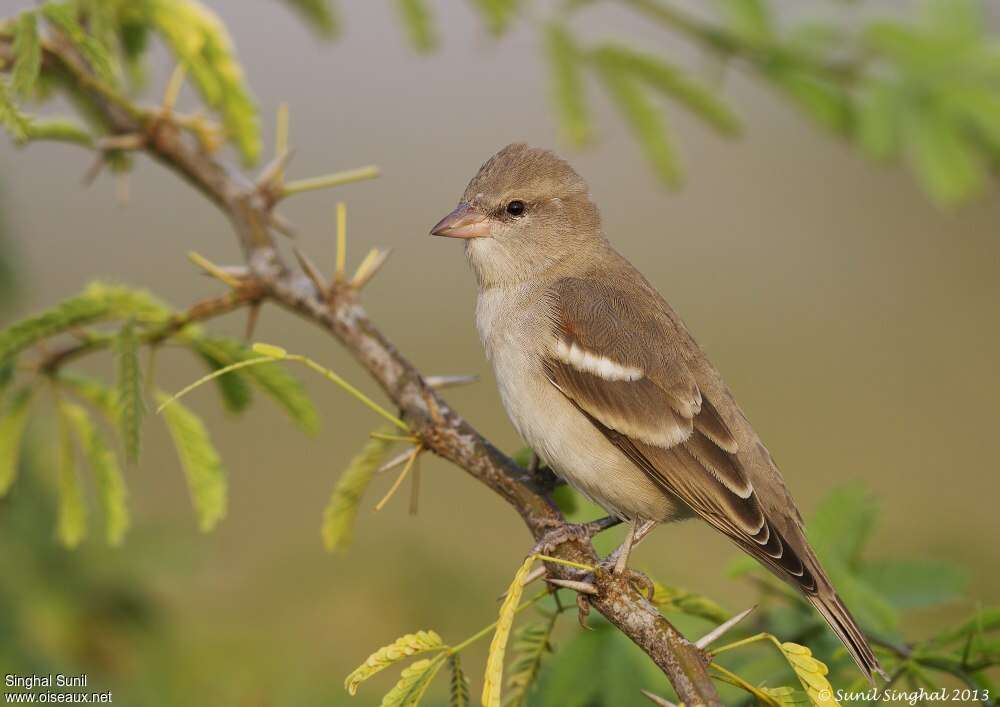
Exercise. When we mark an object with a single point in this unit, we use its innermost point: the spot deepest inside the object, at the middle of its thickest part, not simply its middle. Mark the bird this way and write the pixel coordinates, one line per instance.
(605, 383)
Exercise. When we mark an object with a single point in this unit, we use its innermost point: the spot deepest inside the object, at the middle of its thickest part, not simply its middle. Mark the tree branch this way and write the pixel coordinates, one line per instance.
(439, 428)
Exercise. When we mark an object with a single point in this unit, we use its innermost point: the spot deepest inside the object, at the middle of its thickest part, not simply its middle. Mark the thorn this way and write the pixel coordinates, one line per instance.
(415, 487)
(310, 269)
(281, 137)
(173, 89)
(338, 273)
(579, 587)
(583, 610)
(656, 699)
(253, 313)
(214, 270)
(240, 272)
(271, 174)
(328, 181)
(411, 458)
(369, 267)
(282, 225)
(439, 382)
(717, 632)
(94, 170)
(395, 461)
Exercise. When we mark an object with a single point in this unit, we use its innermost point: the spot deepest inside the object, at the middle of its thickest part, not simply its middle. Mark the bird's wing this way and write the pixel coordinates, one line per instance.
(622, 359)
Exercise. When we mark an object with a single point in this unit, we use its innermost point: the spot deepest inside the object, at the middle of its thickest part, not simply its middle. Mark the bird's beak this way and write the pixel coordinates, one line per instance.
(463, 222)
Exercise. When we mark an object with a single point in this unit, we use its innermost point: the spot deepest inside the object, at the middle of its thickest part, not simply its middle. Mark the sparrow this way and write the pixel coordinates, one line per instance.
(603, 380)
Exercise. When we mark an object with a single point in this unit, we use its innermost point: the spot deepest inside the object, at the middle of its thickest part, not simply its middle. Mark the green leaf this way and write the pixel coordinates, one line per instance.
(276, 381)
(319, 15)
(824, 100)
(201, 43)
(413, 682)
(497, 13)
(98, 301)
(92, 391)
(342, 509)
(71, 523)
(403, 647)
(985, 620)
(64, 18)
(642, 116)
(206, 477)
(103, 463)
(11, 118)
(234, 389)
(786, 696)
(749, 19)
(913, 584)
(842, 523)
(419, 23)
(674, 83)
(878, 121)
(530, 645)
(945, 160)
(59, 130)
(27, 55)
(685, 602)
(131, 406)
(566, 77)
(458, 692)
(12, 425)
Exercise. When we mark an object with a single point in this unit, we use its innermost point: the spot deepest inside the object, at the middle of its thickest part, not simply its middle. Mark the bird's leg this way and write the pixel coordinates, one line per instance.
(619, 558)
(637, 531)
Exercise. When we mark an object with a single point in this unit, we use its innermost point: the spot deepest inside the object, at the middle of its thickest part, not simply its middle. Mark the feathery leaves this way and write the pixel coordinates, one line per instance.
(11, 118)
(12, 424)
(92, 391)
(644, 118)
(103, 463)
(27, 55)
(400, 649)
(206, 477)
(131, 406)
(458, 689)
(233, 387)
(685, 602)
(63, 17)
(319, 15)
(531, 643)
(566, 77)
(419, 23)
(811, 673)
(493, 679)
(673, 83)
(497, 13)
(284, 388)
(342, 509)
(413, 682)
(71, 521)
(202, 44)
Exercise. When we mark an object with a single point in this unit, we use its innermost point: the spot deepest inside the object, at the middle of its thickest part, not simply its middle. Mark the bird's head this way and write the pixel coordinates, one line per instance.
(524, 211)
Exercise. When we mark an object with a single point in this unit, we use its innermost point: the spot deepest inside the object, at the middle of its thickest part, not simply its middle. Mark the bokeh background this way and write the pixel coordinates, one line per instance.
(855, 321)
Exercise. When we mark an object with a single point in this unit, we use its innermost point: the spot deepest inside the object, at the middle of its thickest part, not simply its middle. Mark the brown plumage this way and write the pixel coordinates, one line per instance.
(603, 379)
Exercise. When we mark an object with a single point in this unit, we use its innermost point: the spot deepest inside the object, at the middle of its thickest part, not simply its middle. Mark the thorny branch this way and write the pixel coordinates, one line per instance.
(440, 429)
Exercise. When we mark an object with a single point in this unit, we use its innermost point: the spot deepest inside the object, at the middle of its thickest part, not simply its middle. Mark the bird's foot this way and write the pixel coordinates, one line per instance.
(561, 532)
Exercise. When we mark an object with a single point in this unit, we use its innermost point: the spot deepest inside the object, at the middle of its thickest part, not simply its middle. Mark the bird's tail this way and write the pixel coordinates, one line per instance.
(843, 624)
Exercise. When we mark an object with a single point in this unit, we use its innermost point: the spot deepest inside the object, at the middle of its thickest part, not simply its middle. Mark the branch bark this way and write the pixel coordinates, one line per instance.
(441, 429)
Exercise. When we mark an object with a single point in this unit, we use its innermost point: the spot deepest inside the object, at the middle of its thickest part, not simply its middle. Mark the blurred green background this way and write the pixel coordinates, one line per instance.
(855, 321)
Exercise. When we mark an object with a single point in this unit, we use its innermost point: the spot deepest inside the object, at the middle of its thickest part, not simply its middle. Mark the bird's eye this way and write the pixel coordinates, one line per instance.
(515, 208)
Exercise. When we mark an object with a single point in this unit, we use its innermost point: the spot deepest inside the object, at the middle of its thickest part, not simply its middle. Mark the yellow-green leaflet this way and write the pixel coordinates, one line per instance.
(493, 681)
(12, 424)
(107, 473)
(402, 647)
(71, 524)
(203, 468)
(342, 509)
